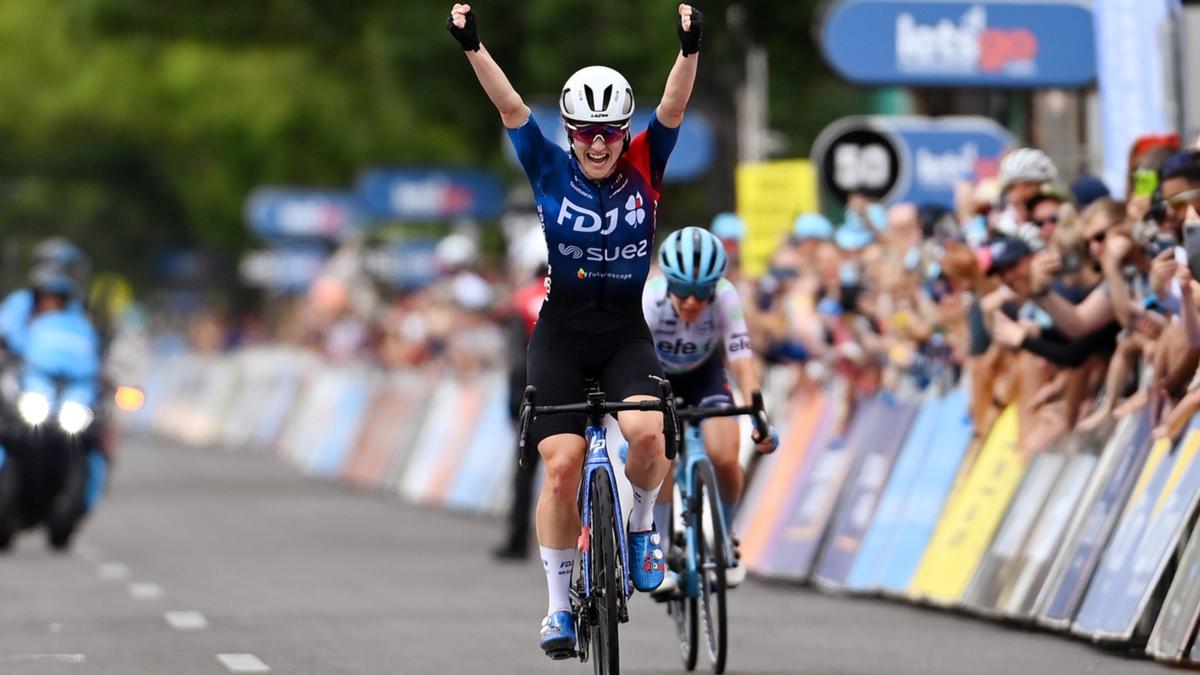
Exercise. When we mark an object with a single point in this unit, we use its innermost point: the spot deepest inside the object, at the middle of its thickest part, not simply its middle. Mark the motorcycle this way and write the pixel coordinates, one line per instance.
(52, 470)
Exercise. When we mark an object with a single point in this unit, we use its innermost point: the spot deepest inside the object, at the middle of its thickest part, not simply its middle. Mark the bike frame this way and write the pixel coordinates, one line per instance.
(597, 457)
(694, 454)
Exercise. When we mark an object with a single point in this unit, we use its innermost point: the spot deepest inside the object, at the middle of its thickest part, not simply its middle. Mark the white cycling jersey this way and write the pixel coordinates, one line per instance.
(681, 346)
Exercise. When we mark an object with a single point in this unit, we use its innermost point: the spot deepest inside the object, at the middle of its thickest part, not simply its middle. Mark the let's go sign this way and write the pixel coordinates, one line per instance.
(957, 43)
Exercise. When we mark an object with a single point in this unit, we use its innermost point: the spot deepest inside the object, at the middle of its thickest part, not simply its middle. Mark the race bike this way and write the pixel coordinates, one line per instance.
(52, 471)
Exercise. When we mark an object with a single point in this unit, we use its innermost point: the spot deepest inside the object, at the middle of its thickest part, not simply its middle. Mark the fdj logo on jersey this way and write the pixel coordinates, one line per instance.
(586, 220)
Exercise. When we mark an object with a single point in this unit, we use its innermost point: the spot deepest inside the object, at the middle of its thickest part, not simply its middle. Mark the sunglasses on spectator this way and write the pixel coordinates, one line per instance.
(1181, 200)
(587, 133)
(784, 272)
(1048, 220)
(682, 291)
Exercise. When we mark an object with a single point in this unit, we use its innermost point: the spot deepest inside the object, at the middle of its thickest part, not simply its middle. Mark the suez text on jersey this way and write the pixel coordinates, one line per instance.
(597, 254)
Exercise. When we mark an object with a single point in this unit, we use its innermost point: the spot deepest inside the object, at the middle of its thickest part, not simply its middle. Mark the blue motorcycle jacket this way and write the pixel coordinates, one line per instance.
(600, 234)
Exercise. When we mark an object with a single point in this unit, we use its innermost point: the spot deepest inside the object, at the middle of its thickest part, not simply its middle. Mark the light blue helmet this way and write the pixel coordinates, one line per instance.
(812, 226)
(693, 257)
(728, 226)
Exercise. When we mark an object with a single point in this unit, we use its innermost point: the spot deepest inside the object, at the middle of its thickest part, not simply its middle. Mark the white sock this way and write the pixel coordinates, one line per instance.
(642, 518)
(558, 563)
(662, 522)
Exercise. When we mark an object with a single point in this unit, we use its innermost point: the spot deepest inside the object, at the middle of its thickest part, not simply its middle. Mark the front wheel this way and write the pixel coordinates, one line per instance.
(8, 503)
(711, 563)
(67, 509)
(608, 579)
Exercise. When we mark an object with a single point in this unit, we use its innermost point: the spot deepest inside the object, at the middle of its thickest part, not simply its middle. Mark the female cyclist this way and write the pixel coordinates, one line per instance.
(699, 328)
(597, 204)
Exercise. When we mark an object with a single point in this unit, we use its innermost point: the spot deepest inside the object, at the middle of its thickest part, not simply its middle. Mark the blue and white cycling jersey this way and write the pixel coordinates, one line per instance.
(683, 347)
(600, 234)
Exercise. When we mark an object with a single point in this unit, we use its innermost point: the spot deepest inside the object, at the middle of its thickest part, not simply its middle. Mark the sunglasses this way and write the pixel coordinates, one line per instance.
(682, 291)
(587, 133)
(1181, 200)
(1048, 220)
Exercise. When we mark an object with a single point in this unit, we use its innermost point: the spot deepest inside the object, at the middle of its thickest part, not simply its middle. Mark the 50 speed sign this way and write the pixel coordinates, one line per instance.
(909, 159)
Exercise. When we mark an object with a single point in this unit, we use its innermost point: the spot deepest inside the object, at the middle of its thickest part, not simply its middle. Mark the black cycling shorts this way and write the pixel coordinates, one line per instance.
(706, 385)
(560, 359)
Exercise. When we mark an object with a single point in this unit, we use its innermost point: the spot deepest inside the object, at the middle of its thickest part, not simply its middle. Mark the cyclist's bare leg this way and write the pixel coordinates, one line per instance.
(721, 441)
(558, 514)
(647, 464)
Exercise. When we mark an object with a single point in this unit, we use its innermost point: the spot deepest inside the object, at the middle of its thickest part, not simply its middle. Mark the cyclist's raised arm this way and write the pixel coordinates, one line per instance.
(683, 73)
(513, 111)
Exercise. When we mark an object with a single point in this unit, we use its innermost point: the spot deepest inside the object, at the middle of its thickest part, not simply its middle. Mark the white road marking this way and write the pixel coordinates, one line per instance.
(243, 663)
(145, 591)
(112, 571)
(187, 620)
(61, 658)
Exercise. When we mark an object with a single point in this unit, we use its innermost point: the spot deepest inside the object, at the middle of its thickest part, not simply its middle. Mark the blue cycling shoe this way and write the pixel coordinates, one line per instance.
(558, 635)
(647, 565)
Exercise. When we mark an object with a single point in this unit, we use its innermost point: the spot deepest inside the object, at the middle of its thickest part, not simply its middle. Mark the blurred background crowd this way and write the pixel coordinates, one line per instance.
(1012, 205)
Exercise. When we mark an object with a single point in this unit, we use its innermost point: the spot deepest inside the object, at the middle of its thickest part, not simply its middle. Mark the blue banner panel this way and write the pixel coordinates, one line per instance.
(801, 530)
(291, 269)
(863, 491)
(276, 212)
(1095, 530)
(1181, 609)
(1133, 563)
(404, 264)
(881, 536)
(923, 507)
(961, 43)
(691, 158)
(430, 194)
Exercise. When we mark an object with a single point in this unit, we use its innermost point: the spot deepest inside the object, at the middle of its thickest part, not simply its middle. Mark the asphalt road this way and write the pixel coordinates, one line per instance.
(258, 567)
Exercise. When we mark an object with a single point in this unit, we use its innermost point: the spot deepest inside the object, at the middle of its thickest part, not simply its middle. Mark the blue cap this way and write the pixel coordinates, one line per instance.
(728, 226)
(853, 238)
(1087, 189)
(812, 226)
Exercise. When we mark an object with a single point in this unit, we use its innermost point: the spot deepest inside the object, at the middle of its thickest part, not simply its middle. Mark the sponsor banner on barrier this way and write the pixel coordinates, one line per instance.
(862, 492)
(926, 499)
(878, 540)
(1084, 547)
(389, 419)
(999, 563)
(1180, 613)
(1132, 566)
(797, 540)
(331, 451)
(970, 520)
(1017, 600)
(485, 473)
(437, 426)
(764, 501)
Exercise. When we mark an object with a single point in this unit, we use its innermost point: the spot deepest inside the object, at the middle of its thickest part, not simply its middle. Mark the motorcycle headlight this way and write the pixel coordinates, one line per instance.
(74, 417)
(34, 408)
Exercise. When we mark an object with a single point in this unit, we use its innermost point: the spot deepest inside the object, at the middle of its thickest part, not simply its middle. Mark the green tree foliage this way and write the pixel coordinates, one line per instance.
(132, 125)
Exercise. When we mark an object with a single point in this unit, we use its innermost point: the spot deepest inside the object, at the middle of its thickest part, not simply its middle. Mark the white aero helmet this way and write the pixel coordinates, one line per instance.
(596, 95)
(1027, 164)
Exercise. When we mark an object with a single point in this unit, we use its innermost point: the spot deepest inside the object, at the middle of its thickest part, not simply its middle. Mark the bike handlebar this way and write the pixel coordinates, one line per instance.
(756, 410)
(598, 407)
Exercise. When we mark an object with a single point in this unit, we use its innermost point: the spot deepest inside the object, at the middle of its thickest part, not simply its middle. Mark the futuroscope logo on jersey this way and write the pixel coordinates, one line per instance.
(963, 47)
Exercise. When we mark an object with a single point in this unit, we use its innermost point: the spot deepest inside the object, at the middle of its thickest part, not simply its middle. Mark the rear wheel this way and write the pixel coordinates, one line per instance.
(607, 579)
(710, 559)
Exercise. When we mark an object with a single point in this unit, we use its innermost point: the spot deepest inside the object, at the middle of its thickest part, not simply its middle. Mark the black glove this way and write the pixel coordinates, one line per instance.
(689, 40)
(468, 35)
